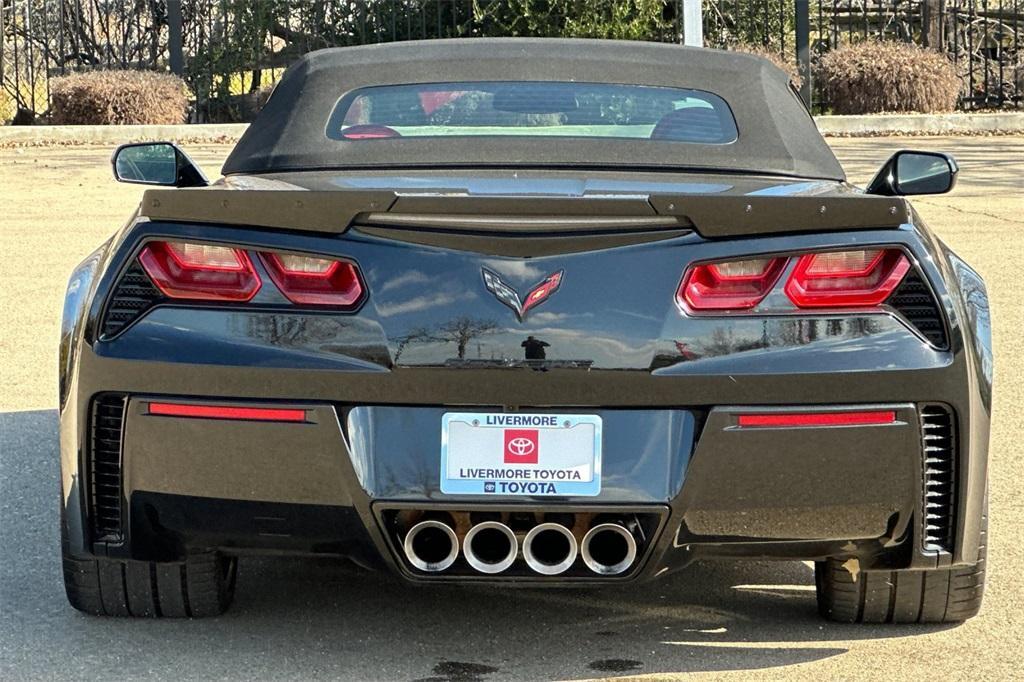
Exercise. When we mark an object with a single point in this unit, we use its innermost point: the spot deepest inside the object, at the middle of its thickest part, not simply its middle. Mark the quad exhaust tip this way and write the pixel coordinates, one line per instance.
(490, 547)
(431, 546)
(608, 549)
(550, 548)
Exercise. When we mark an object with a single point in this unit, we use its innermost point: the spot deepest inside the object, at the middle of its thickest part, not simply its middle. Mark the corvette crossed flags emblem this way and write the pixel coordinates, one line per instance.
(507, 295)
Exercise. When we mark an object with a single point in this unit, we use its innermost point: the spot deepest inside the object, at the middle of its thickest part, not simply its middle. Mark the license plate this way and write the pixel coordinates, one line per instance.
(498, 453)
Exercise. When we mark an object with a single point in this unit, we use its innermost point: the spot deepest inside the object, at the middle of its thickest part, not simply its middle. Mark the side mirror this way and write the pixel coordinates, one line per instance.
(909, 172)
(156, 163)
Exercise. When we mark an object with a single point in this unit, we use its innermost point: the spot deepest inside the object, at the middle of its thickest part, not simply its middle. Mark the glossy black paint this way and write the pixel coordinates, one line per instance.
(645, 453)
(431, 337)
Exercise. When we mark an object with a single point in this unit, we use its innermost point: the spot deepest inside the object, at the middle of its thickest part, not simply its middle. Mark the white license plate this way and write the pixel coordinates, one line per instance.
(496, 453)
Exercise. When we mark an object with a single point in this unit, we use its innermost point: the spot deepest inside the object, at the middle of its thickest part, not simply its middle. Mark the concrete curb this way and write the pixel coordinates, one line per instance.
(1006, 123)
(1003, 123)
(30, 136)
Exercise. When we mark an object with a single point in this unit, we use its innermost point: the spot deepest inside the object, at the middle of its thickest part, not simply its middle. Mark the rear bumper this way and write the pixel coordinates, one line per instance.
(325, 485)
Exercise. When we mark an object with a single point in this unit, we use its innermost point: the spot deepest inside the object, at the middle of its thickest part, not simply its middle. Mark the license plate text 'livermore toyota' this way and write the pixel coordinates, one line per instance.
(511, 454)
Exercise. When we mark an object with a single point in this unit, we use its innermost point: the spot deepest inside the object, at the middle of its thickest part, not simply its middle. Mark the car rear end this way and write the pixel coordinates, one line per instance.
(528, 325)
(801, 396)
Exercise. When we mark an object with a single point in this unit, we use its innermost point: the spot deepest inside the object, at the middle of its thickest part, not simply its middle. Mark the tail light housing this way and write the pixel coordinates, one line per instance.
(204, 272)
(307, 280)
(729, 285)
(210, 272)
(862, 277)
(831, 279)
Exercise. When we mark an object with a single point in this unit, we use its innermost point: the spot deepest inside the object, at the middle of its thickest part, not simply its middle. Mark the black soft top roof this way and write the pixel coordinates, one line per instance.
(776, 134)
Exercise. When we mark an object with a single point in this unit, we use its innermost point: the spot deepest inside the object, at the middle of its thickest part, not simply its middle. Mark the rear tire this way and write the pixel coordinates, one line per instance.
(201, 585)
(944, 595)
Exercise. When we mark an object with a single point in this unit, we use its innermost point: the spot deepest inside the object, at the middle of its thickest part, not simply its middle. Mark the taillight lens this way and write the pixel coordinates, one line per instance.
(315, 281)
(862, 277)
(200, 271)
(729, 285)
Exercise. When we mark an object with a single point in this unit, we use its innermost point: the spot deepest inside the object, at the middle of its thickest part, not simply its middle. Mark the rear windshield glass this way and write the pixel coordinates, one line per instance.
(518, 109)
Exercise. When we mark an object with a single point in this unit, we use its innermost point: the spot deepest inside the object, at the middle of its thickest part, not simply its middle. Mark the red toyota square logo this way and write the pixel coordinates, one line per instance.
(521, 446)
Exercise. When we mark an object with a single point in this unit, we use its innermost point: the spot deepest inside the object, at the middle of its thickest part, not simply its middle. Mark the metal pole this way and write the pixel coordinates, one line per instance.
(693, 23)
(803, 48)
(931, 18)
(174, 37)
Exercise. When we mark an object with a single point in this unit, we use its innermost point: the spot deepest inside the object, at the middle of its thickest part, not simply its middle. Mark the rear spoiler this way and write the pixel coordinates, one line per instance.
(711, 216)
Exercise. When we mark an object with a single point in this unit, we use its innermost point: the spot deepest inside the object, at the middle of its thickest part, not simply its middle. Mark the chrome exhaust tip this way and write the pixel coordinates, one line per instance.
(490, 547)
(431, 546)
(550, 548)
(608, 549)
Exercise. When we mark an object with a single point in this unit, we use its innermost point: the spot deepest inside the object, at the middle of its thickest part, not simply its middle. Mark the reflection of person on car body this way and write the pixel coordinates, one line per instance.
(535, 348)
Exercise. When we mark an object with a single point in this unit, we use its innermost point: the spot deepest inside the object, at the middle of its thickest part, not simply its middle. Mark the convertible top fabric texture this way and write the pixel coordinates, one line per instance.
(776, 134)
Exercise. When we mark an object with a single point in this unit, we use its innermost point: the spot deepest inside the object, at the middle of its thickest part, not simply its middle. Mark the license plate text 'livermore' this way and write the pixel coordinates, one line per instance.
(521, 454)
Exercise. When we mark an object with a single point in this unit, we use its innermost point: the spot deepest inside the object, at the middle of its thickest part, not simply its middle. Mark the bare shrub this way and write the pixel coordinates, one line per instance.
(118, 98)
(874, 77)
(787, 65)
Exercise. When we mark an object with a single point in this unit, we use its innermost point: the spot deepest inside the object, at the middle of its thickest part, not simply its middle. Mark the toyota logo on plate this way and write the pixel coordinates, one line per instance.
(521, 447)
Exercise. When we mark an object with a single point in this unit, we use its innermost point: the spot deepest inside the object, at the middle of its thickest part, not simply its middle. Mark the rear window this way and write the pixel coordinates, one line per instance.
(533, 109)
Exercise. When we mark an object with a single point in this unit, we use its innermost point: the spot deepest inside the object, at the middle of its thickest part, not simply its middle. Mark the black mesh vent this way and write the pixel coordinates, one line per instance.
(938, 438)
(914, 301)
(105, 467)
(134, 294)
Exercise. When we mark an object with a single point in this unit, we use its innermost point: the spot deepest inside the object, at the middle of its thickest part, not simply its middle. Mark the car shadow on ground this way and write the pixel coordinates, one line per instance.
(301, 618)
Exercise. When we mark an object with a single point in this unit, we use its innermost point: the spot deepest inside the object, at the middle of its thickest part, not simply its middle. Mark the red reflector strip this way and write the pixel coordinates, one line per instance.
(817, 419)
(264, 414)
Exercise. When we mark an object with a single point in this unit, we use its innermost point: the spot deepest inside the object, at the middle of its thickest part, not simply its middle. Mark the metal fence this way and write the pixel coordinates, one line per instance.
(227, 50)
(983, 38)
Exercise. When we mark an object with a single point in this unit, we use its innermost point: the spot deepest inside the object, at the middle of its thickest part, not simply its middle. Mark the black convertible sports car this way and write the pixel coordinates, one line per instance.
(527, 312)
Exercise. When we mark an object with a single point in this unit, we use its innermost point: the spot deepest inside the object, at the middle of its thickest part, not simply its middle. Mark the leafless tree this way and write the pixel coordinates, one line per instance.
(462, 330)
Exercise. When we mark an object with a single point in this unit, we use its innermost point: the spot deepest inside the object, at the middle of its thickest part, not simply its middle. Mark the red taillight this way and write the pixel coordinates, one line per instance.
(315, 281)
(833, 279)
(863, 277)
(239, 412)
(729, 285)
(784, 419)
(200, 271)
